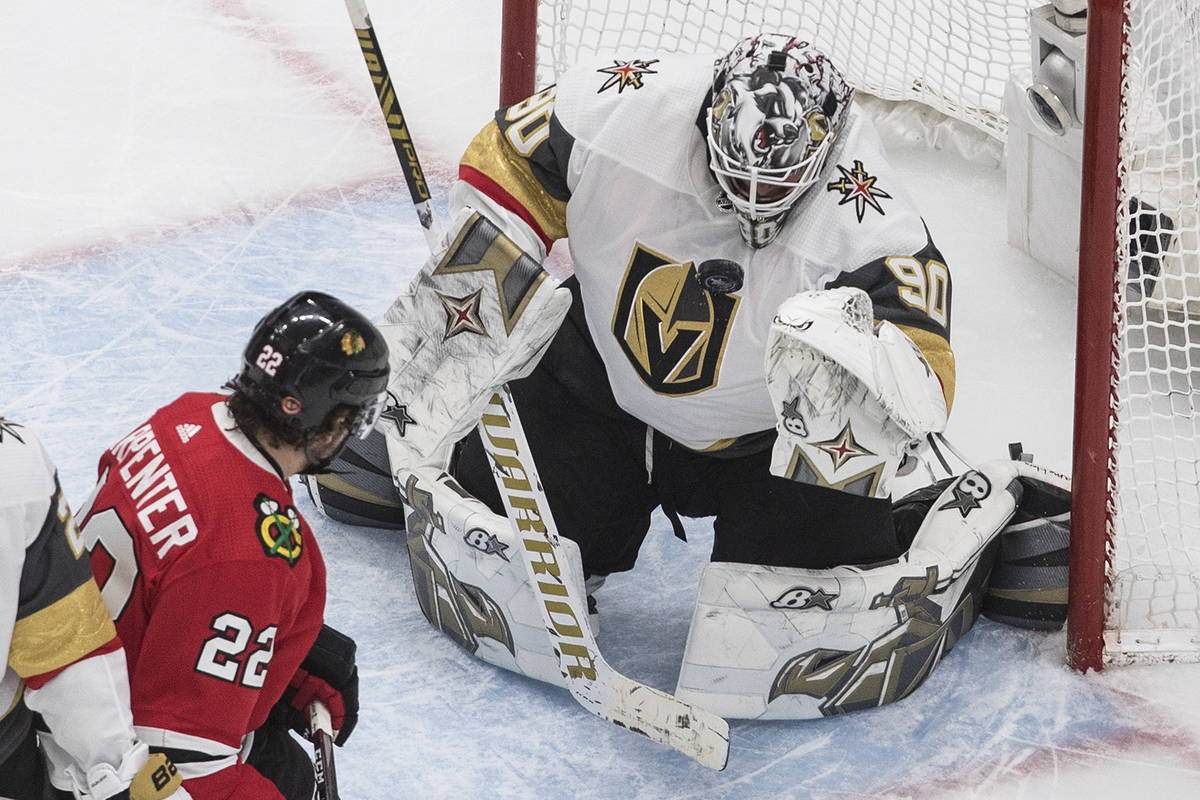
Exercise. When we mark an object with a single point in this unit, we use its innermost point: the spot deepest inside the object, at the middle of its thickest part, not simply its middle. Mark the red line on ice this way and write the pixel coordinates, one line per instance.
(332, 86)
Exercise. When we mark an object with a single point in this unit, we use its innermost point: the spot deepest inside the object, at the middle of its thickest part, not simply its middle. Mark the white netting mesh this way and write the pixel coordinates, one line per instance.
(954, 55)
(1154, 602)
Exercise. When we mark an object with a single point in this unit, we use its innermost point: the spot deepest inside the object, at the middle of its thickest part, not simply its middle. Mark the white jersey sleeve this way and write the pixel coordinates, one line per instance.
(63, 658)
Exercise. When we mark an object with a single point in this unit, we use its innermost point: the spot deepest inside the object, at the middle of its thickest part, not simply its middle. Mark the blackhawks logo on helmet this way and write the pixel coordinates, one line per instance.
(278, 529)
(353, 343)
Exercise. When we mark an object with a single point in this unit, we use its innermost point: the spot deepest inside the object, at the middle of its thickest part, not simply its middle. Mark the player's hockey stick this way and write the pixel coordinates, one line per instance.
(321, 728)
(406, 152)
(592, 681)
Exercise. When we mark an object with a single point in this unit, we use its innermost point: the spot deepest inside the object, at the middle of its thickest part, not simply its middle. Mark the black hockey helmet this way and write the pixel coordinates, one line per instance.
(310, 355)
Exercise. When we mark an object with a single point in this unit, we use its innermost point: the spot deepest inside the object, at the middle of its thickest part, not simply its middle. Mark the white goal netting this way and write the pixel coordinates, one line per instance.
(953, 55)
(1154, 599)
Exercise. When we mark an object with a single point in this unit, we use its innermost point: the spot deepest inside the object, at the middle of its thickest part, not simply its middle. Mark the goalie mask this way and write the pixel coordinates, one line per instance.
(778, 105)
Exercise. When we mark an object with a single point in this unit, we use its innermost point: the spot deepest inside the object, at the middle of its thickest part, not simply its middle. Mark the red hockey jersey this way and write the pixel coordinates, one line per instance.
(214, 579)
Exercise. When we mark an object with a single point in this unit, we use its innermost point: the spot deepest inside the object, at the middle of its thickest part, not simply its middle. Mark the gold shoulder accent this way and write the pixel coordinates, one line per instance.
(61, 633)
(490, 154)
(939, 355)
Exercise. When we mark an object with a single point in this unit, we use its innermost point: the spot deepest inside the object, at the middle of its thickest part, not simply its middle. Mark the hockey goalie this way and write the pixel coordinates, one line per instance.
(757, 330)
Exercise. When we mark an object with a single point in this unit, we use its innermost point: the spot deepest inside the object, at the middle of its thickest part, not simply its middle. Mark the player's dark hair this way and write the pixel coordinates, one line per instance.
(267, 429)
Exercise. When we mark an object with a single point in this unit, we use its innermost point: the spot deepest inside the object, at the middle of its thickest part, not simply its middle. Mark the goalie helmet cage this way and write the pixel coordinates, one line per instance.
(1135, 561)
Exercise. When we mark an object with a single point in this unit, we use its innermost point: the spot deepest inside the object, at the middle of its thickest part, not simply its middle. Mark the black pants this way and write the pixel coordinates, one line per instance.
(282, 760)
(23, 773)
(591, 456)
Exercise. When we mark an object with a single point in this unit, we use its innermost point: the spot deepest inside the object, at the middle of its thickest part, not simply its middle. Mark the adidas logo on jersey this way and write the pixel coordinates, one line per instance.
(186, 431)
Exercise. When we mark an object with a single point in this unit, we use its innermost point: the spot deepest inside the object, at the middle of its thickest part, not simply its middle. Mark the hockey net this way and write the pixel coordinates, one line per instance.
(952, 55)
(1138, 600)
(1136, 594)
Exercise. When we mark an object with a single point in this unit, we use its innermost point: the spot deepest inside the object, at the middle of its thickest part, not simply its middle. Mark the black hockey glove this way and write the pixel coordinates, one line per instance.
(328, 674)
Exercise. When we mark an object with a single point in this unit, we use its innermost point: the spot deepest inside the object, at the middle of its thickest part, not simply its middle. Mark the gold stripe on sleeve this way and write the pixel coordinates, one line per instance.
(491, 154)
(61, 633)
(939, 355)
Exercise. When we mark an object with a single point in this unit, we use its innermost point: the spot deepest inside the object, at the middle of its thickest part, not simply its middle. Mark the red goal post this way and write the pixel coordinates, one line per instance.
(1096, 314)
(518, 51)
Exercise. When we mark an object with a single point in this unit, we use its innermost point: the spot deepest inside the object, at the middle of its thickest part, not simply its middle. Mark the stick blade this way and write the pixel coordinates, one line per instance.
(688, 729)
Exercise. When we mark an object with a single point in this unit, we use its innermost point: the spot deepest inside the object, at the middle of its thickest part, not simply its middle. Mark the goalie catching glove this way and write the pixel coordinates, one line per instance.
(328, 675)
(852, 395)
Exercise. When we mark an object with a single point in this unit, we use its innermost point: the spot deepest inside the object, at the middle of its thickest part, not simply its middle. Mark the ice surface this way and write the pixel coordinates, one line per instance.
(169, 170)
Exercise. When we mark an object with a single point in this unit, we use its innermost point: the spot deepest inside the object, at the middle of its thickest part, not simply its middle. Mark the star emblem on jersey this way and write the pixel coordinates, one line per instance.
(842, 448)
(626, 73)
(10, 428)
(858, 187)
(972, 488)
(397, 413)
(801, 598)
(278, 529)
(462, 315)
(485, 542)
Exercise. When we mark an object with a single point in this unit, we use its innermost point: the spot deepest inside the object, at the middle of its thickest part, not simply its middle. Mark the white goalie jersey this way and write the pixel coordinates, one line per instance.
(614, 160)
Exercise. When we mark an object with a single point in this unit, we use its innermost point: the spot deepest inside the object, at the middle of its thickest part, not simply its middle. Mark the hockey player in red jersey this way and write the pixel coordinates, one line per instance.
(63, 658)
(214, 578)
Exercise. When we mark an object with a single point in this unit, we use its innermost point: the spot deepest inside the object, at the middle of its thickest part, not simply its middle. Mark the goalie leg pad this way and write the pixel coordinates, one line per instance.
(358, 488)
(784, 643)
(1028, 587)
(470, 580)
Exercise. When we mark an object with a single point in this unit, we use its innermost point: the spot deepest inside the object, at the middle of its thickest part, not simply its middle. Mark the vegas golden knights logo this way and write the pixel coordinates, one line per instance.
(672, 331)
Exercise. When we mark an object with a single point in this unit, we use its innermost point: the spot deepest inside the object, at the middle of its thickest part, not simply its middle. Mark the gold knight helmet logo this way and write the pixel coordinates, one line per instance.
(672, 331)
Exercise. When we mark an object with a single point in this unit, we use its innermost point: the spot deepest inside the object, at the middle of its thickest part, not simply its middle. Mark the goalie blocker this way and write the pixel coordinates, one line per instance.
(479, 313)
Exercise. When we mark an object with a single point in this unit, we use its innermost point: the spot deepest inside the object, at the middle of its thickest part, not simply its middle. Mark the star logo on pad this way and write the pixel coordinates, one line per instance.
(398, 413)
(462, 315)
(626, 73)
(842, 448)
(858, 187)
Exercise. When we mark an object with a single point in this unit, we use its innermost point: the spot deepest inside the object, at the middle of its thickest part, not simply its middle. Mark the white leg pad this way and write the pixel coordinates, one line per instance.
(785, 643)
(469, 578)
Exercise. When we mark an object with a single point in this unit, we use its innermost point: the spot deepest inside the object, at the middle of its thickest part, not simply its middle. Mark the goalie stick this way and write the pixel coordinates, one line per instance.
(321, 729)
(593, 682)
(598, 687)
(397, 126)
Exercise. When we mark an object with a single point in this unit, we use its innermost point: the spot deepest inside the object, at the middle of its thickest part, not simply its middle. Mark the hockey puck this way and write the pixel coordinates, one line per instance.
(719, 275)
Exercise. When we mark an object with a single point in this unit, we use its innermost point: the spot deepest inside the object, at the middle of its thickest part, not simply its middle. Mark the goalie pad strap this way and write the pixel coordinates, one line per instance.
(1028, 587)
